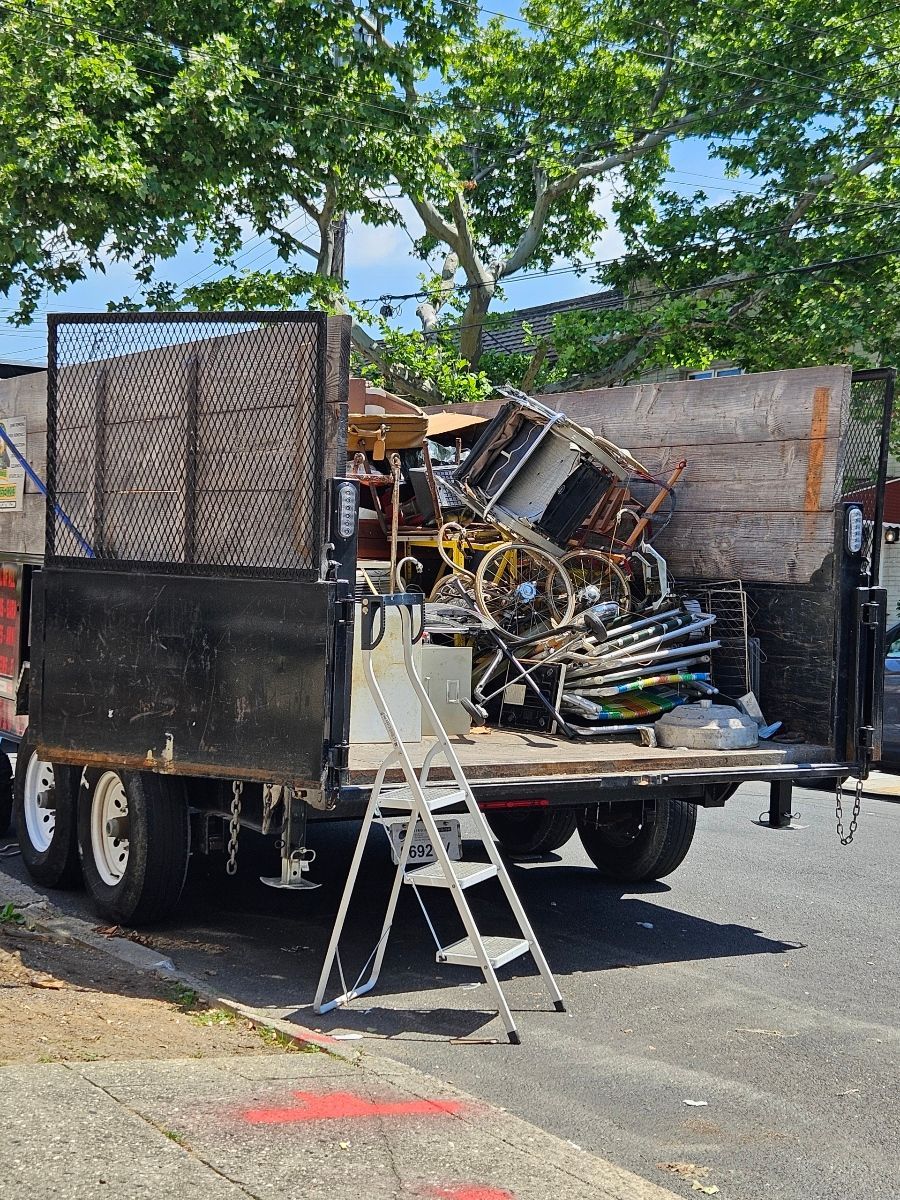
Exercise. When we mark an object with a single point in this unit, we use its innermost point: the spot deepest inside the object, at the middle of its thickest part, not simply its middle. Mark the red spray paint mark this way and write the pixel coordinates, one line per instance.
(467, 1192)
(344, 1105)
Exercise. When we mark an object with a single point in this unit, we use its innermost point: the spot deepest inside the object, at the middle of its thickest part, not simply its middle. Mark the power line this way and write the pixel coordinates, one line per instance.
(725, 284)
(584, 267)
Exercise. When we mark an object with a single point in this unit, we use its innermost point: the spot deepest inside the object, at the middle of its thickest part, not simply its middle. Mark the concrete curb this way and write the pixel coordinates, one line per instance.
(608, 1181)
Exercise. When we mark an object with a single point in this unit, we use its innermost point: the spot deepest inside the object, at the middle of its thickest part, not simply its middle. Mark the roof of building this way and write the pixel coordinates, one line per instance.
(510, 337)
(9, 370)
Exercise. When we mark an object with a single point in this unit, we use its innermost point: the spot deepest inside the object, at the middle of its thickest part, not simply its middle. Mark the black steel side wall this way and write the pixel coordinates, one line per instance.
(185, 674)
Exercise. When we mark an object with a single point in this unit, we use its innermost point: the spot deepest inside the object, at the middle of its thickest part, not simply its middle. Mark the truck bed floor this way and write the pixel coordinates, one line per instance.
(507, 754)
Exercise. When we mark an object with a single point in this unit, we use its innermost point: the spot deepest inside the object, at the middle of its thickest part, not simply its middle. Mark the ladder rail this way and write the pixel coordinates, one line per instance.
(421, 811)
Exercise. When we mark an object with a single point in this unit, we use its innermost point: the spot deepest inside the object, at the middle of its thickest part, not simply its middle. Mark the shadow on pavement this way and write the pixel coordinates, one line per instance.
(265, 947)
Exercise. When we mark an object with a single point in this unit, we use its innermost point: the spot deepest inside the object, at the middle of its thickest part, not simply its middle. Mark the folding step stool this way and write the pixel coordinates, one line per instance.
(418, 800)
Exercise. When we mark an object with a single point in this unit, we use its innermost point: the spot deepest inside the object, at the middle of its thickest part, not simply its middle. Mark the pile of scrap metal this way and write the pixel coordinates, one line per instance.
(545, 565)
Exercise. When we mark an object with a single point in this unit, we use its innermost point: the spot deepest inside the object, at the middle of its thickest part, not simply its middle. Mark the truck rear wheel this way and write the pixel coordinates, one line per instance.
(6, 793)
(134, 841)
(526, 831)
(45, 802)
(634, 847)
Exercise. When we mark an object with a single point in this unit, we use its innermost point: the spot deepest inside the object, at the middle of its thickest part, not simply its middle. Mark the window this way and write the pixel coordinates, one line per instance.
(716, 373)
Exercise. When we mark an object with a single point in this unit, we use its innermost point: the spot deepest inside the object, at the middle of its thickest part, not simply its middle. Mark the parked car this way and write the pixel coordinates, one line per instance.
(890, 755)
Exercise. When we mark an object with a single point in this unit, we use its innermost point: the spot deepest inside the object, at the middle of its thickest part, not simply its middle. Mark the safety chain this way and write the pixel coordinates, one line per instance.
(847, 838)
(234, 826)
(268, 807)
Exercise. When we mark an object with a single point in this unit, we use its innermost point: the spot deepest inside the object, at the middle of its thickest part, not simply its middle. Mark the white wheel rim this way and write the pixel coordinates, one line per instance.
(107, 803)
(40, 823)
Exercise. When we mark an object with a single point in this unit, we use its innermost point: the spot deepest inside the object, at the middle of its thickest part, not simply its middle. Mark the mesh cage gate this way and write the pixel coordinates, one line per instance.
(187, 443)
(866, 447)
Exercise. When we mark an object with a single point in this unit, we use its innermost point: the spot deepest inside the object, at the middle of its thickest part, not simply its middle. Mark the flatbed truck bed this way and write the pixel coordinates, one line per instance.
(184, 664)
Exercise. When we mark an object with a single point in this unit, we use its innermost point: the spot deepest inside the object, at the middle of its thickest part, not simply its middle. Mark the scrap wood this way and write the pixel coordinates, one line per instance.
(691, 1173)
(119, 931)
(46, 981)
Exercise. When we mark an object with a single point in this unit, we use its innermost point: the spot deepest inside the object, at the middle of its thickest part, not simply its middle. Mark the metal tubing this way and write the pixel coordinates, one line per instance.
(576, 681)
(663, 655)
(683, 631)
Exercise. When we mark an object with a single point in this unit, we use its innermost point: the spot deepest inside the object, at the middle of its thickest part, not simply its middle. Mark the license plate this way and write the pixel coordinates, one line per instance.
(421, 851)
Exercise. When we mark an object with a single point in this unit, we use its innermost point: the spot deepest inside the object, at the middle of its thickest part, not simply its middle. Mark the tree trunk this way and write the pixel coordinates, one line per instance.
(471, 330)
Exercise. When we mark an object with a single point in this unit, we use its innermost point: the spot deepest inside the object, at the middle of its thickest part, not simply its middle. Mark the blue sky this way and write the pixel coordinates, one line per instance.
(378, 261)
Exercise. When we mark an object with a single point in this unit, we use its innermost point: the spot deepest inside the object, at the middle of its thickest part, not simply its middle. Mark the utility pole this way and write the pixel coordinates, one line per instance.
(339, 239)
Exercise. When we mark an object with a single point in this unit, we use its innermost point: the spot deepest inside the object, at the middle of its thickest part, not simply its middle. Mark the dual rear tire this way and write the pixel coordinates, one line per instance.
(45, 803)
(134, 843)
(125, 833)
(623, 842)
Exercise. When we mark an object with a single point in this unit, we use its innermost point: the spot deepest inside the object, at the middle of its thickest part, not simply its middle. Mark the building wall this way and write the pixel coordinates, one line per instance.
(890, 578)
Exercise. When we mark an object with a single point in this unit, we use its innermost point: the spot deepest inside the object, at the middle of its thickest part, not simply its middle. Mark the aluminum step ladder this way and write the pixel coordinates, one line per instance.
(417, 801)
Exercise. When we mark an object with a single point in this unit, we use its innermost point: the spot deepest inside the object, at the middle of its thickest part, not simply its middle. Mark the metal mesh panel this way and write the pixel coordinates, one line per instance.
(866, 452)
(189, 442)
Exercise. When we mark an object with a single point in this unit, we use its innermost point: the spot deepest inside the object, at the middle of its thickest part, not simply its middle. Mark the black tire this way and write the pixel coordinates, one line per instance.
(630, 851)
(6, 793)
(47, 838)
(138, 879)
(526, 831)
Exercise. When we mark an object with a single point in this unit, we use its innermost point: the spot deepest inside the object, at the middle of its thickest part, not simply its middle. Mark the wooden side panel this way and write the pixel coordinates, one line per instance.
(763, 454)
(22, 533)
(756, 503)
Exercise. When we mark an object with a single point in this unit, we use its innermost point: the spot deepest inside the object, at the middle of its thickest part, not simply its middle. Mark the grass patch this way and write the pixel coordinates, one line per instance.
(274, 1037)
(173, 1136)
(10, 915)
(183, 997)
(214, 1016)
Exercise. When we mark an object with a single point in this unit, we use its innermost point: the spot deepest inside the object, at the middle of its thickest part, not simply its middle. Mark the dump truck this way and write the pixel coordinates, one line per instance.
(179, 599)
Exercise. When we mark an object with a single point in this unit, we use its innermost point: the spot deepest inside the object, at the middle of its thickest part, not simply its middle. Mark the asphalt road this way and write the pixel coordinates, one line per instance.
(760, 981)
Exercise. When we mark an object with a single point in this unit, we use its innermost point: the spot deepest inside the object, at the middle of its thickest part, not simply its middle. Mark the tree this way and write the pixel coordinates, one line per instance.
(538, 120)
(129, 129)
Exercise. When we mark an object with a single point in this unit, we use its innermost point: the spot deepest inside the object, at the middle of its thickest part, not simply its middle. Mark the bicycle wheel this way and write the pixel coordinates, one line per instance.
(595, 577)
(523, 591)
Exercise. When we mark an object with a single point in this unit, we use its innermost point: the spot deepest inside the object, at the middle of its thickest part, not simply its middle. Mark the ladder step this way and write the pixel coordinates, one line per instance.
(499, 950)
(467, 874)
(436, 797)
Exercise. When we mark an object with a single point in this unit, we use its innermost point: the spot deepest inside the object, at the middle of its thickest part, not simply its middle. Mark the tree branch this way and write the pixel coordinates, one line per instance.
(665, 79)
(434, 222)
(399, 378)
(820, 182)
(427, 312)
(643, 145)
(529, 240)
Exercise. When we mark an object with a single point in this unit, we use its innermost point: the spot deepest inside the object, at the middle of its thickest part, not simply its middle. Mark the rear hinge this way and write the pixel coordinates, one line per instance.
(870, 613)
(339, 756)
(343, 609)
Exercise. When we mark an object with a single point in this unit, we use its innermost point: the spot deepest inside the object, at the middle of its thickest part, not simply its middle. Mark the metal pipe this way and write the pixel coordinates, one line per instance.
(616, 631)
(635, 672)
(663, 655)
(654, 640)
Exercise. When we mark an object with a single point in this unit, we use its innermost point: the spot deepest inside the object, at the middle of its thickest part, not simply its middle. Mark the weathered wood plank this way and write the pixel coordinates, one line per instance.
(739, 478)
(765, 547)
(256, 529)
(771, 405)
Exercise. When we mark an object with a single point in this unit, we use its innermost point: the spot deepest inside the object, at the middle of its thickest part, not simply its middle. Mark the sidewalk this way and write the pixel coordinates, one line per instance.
(233, 1115)
(295, 1125)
